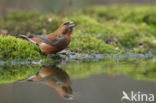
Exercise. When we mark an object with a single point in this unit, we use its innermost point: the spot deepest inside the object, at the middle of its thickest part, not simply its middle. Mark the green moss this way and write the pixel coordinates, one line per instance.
(99, 29)
(125, 13)
(89, 44)
(12, 48)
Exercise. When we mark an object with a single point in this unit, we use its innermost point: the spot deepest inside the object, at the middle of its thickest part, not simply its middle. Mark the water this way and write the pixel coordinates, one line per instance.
(81, 81)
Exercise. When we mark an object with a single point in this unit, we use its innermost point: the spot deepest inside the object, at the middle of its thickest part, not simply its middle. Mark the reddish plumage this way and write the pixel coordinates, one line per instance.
(53, 42)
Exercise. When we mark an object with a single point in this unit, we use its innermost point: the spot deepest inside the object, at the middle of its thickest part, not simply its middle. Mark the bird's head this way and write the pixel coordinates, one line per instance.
(66, 27)
(65, 92)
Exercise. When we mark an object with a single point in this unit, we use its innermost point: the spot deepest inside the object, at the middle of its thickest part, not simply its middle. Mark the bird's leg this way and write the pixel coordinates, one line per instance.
(43, 53)
(67, 53)
(64, 52)
(54, 56)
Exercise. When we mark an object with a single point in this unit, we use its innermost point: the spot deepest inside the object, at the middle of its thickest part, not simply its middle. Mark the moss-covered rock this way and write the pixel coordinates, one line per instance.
(12, 48)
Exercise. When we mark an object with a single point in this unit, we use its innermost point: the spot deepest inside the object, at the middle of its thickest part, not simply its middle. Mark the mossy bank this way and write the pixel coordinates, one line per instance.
(12, 48)
(100, 29)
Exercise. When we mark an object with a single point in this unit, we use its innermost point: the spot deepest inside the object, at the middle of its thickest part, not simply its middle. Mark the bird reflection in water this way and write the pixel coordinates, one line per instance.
(55, 78)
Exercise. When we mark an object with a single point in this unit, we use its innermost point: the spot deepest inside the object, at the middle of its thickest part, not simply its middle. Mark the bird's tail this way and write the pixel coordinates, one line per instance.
(27, 38)
(27, 79)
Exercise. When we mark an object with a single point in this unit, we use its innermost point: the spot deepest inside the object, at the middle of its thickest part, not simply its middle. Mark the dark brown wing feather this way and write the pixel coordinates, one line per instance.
(56, 40)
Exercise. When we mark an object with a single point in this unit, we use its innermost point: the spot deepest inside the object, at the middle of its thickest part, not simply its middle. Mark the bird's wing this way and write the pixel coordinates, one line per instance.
(56, 40)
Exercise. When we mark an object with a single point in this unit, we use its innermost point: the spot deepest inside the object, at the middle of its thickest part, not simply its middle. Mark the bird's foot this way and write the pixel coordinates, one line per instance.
(54, 56)
(64, 52)
(67, 53)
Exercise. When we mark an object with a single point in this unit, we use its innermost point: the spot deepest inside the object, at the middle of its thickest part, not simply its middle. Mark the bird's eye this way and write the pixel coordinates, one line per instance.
(67, 23)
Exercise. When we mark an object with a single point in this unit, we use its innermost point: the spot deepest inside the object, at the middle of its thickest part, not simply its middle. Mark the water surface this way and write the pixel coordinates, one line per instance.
(85, 81)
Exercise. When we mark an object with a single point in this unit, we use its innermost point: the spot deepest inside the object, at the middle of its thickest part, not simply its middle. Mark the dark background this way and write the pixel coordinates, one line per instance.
(55, 5)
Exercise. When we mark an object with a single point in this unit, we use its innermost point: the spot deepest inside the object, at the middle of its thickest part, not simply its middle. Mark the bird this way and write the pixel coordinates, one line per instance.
(55, 41)
(54, 77)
